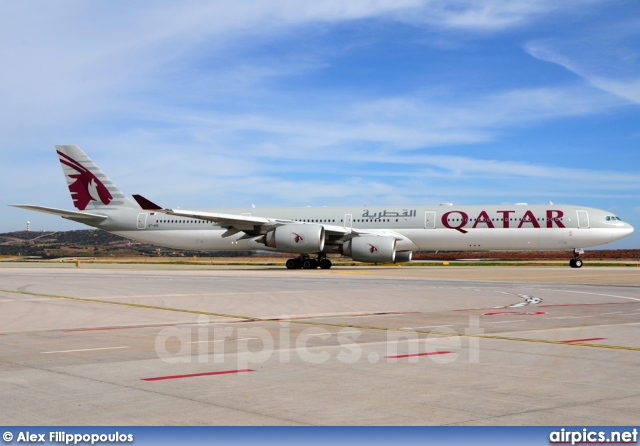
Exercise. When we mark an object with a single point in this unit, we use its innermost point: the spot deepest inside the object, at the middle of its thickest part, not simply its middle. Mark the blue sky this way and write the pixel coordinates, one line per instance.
(272, 103)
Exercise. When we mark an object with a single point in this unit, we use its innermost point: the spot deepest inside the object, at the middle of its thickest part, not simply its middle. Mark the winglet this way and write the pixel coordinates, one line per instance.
(145, 204)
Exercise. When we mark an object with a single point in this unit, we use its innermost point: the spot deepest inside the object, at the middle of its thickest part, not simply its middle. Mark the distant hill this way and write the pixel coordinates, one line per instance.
(92, 242)
(97, 243)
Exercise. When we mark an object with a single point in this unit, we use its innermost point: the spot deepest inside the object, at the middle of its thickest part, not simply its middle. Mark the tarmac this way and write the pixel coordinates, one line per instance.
(225, 345)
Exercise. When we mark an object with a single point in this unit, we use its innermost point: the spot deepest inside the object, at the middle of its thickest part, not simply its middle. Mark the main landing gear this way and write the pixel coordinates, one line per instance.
(576, 262)
(305, 262)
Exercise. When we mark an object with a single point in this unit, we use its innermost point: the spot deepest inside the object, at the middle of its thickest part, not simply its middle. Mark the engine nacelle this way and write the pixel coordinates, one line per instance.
(303, 239)
(403, 256)
(371, 248)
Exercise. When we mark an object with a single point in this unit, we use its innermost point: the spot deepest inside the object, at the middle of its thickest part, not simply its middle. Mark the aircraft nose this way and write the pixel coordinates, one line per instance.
(628, 229)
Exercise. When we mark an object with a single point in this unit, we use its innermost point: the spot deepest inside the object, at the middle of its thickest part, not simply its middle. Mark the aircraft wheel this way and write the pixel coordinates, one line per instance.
(292, 264)
(325, 264)
(310, 264)
(575, 263)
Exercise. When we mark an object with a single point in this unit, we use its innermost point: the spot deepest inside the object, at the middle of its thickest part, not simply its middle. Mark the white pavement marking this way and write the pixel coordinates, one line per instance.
(426, 326)
(222, 340)
(327, 333)
(235, 293)
(86, 349)
(593, 294)
(506, 322)
(24, 300)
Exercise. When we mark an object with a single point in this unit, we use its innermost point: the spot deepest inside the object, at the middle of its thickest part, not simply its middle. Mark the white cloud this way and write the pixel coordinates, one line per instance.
(490, 15)
(78, 62)
(330, 130)
(603, 54)
(625, 89)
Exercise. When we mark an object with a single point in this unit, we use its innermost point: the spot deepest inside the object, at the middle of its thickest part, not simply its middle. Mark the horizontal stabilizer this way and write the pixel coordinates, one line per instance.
(61, 212)
(145, 204)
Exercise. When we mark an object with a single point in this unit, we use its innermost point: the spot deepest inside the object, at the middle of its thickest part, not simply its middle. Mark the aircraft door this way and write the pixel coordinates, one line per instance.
(348, 221)
(142, 221)
(430, 220)
(583, 219)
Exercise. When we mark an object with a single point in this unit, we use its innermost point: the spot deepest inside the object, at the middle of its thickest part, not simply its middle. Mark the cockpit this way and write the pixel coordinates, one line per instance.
(612, 218)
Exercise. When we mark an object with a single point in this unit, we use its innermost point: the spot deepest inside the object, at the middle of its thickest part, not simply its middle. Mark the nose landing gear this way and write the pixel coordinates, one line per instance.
(576, 262)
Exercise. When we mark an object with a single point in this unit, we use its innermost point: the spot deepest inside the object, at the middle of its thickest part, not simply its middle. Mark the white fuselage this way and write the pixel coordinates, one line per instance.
(451, 228)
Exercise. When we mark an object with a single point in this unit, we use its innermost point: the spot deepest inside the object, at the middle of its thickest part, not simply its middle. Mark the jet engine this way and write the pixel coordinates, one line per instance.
(303, 239)
(371, 248)
(403, 256)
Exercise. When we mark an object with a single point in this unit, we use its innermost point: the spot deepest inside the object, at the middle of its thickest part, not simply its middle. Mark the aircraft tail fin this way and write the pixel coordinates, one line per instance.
(90, 188)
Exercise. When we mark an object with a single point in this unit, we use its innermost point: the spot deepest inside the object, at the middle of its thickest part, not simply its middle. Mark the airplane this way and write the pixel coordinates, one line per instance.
(377, 234)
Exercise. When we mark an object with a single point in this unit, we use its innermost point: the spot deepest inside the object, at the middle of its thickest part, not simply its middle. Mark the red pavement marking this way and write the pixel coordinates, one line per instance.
(118, 328)
(584, 340)
(417, 354)
(193, 375)
(515, 313)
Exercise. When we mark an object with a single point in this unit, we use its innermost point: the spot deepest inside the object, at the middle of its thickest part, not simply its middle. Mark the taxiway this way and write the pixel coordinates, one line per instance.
(170, 345)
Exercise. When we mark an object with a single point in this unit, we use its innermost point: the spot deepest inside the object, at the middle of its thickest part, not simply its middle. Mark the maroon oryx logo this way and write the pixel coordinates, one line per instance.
(298, 238)
(372, 248)
(87, 186)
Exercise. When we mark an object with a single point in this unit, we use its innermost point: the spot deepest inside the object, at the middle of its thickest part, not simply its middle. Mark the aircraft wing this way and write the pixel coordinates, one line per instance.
(241, 222)
(235, 223)
(254, 226)
(61, 212)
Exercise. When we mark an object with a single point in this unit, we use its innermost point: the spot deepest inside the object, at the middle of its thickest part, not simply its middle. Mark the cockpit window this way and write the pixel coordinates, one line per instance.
(612, 218)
